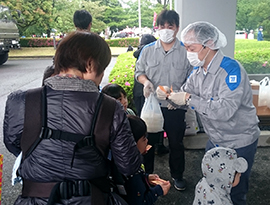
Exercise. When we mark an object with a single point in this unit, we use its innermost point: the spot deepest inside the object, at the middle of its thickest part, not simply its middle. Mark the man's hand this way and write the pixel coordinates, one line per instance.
(147, 88)
(162, 92)
(178, 98)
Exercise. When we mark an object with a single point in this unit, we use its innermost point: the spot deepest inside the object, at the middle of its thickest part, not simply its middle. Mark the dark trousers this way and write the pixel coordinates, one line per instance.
(149, 158)
(174, 125)
(238, 193)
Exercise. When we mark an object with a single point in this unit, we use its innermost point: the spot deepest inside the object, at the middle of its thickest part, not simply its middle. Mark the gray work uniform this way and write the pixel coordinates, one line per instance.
(170, 69)
(167, 69)
(223, 99)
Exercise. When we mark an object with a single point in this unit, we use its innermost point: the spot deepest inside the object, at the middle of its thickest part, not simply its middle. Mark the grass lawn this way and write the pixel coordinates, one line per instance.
(50, 51)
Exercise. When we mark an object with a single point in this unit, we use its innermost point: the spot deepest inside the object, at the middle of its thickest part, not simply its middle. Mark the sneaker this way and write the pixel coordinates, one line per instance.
(179, 184)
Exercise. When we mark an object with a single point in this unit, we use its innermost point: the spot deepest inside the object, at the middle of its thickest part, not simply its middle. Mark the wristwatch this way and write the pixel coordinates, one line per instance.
(188, 100)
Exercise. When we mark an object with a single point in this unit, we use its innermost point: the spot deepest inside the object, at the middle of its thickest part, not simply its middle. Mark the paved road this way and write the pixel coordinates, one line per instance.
(25, 74)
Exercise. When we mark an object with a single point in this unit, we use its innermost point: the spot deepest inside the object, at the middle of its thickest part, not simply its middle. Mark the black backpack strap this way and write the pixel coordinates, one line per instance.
(103, 127)
(99, 137)
(32, 120)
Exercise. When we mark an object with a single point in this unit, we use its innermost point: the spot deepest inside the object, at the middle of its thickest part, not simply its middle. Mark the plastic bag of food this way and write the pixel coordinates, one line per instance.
(152, 115)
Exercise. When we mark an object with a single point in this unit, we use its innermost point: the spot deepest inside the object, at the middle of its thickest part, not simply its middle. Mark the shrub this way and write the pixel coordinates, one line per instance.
(123, 42)
(37, 42)
(253, 55)
(48, 42)
(123, 75)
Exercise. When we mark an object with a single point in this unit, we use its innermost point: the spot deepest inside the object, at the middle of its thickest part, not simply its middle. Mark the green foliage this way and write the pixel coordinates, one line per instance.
(48, 42)
(34, 13)
(244, 18)
(253, 13)
(123, 42)
(114, 15)
(147, 13)
(262, 13)
(41, 16)
(123, 74)
(253, 55)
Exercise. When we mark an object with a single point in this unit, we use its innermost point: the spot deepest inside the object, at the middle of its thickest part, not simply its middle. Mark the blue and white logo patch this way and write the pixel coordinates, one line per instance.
(233, 79)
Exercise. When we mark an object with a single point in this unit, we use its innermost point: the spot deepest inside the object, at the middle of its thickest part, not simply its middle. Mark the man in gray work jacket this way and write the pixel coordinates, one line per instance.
(220, 92)
(165, 63)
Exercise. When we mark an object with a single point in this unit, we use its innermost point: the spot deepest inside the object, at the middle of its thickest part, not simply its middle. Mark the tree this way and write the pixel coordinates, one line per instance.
(147, 13)
(115, 16)
(43, 16)
(164, 3)
(253, 13)
(66, 8)
(262, 14)
(97, 11)
(35, 13)
(109, 3)
(244, 19)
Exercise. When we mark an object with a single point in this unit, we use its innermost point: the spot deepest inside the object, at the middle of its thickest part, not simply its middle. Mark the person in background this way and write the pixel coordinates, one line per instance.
(130, 48)
(251, 34)
(221, 172)
(219, 91)
(260, 34)
(82, 20)
(138, 96)
(164, 63)
(118, 93)
(71, 97)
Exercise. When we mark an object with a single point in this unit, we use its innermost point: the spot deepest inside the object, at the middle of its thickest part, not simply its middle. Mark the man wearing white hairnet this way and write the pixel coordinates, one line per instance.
(220, 92)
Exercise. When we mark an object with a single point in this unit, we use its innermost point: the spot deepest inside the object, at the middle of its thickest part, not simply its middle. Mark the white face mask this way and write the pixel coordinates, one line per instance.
(166, 35)
(194, 59)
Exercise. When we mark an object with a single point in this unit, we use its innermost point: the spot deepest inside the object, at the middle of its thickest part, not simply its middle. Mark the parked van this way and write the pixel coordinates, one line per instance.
(240, 34)
(9, 34)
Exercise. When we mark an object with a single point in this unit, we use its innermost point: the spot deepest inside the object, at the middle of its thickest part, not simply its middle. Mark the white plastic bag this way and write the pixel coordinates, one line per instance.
(14, 178)
(264, 92)
(191, 123)
(152, 115)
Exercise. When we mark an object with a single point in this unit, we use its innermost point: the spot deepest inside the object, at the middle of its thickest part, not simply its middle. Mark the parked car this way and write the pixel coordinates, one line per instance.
(240, 34)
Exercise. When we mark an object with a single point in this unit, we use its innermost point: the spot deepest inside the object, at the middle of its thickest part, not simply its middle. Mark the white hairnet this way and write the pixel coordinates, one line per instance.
(204, 33)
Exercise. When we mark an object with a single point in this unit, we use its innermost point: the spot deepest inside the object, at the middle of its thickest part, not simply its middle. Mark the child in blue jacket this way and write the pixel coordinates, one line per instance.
(143, 188)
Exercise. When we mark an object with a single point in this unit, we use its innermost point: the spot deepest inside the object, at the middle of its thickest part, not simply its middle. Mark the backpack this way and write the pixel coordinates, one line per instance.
(35, 130)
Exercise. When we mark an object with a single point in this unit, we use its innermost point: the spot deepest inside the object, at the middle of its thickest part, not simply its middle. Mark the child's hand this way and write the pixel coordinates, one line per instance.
(166, 185)
(153, 179)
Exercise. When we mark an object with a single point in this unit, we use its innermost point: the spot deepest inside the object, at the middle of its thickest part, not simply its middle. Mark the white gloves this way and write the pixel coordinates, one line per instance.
(163, 94)
(147, 88)
(178, 98)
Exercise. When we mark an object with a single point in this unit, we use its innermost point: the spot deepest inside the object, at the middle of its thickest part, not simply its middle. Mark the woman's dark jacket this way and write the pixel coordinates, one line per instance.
(70, 106)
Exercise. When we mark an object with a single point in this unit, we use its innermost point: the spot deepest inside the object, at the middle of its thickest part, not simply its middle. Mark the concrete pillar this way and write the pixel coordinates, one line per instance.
(220, 13)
